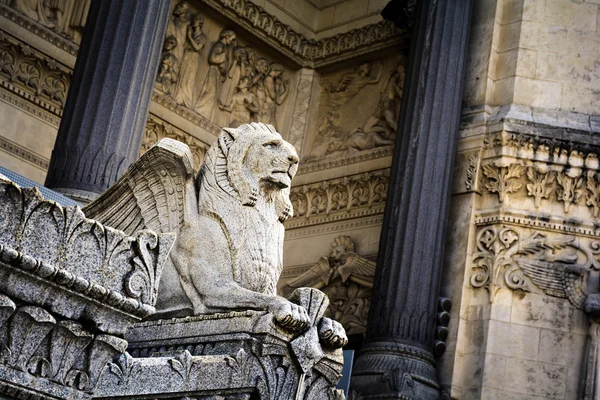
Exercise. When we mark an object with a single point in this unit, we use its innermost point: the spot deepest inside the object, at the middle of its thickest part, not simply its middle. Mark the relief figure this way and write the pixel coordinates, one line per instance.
(242, 104)
(219, 60)
(66, 17)
(238, 69)
(168, 68)
(187, 87)
(257, 87)
(350, 84)
(276, 91)
(380, 129)
(178, 26)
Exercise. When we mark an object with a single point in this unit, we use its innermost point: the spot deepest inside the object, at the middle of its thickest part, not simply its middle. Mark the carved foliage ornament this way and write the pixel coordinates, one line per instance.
(555, 265)
(74, 357)
(571, 187)
(24, 67)
(365, 190)
(61, 245)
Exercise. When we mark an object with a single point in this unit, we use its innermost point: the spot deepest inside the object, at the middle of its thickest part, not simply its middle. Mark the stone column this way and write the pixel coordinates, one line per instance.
(103, 121)
(397, 360)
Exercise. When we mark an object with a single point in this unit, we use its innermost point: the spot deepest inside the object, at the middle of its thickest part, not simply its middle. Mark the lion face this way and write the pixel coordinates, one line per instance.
(272, 160)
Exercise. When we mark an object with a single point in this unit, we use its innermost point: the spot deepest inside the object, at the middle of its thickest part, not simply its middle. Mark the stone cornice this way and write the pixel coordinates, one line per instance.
(22, 152)
(300, 49)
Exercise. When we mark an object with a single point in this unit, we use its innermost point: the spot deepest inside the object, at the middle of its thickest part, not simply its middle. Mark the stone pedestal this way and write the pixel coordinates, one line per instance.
(237, 355)
(69, 289)
(397, 360)
(106, 109)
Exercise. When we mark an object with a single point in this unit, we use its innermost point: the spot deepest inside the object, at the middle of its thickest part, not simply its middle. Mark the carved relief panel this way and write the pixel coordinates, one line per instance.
(346, 278)
(358, 109)
(211, 69)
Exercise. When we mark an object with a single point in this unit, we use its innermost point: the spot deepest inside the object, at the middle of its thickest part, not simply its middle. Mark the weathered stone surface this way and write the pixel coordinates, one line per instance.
(228, 253)
(237, 354)
(69, 287)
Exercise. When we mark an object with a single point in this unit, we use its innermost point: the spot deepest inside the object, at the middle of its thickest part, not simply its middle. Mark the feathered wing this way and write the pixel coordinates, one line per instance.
(557, 279)
(358, 269)
(318, 276)
(154, 193)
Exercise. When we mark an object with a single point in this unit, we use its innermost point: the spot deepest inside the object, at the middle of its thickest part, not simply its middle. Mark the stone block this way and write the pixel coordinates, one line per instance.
(499, 394)
(349, 10)
(579, 70)
(532, 10)
(538, 36)
(530, 378)
(508, 37)
(581, 99)
(537, 93)
(547, 312)
(494, 370)
(570, 14)
(503, 91)
(471, 336)
(510, 11)
(513, 340)
(561, 348)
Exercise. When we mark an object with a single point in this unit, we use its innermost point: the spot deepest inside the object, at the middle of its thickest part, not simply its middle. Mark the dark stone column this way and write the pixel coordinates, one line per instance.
(396, 360)
(105, 113)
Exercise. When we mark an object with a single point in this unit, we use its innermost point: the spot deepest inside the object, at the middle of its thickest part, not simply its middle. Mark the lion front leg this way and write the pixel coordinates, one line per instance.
(204, 263)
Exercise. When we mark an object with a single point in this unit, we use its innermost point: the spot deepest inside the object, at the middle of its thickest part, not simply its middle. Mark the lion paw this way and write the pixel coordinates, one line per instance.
(332, 334)
(290, 316)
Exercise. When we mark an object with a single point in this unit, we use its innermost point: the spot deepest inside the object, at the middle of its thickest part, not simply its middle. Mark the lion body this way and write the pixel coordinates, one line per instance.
(229, 253)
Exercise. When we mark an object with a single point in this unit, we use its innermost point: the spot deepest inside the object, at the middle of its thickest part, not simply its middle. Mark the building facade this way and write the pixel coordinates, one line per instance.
(522, 244)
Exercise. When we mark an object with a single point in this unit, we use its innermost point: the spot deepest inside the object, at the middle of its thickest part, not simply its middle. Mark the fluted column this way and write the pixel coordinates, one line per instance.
(396, 360)
(103, 121)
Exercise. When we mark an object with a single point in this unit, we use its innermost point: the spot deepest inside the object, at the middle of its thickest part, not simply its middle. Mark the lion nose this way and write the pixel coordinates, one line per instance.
(293, 159)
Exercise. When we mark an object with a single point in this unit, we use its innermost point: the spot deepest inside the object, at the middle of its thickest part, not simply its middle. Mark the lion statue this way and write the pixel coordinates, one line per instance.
(228, 254)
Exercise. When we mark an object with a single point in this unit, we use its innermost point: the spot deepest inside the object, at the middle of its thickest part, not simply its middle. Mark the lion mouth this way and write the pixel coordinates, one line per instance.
(281, 178)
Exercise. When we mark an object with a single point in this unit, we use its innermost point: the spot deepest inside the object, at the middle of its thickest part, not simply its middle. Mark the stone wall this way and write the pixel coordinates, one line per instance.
(524, 201)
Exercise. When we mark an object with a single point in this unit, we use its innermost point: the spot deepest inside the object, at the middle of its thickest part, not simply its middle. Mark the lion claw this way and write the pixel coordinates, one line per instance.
(332, 334)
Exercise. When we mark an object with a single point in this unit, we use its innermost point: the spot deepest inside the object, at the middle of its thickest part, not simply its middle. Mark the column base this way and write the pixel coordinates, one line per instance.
(388, 370)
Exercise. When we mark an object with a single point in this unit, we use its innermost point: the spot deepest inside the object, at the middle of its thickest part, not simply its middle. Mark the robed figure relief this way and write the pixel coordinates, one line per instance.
(187, 91)
(219, 60)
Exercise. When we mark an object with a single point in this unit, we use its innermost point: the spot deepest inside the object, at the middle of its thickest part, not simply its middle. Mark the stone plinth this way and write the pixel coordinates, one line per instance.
(69, 289)
(237, 354)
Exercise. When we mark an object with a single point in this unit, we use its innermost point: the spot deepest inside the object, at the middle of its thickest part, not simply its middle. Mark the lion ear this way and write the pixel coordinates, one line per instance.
(226, 139)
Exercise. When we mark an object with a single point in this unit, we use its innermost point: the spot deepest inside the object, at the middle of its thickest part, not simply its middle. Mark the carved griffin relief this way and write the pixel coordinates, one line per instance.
(228, 220)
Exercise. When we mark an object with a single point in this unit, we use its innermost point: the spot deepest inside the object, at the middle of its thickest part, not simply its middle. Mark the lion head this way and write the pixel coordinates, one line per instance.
(251, 160)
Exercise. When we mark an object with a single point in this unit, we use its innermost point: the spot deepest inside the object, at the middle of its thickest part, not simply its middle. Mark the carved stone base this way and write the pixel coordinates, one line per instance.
(387, 370)
(242, 355)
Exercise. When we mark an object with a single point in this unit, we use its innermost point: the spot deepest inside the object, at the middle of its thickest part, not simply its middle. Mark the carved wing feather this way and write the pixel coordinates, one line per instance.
(358, 269)
(318, 276)
(556, 279)
(151, 194)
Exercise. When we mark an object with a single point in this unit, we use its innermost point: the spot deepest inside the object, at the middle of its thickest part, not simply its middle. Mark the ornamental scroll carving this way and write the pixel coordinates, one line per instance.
(535, 261)
(347, 279)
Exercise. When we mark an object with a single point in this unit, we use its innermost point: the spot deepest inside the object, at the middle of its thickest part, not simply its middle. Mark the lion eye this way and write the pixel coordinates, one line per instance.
(271, 145)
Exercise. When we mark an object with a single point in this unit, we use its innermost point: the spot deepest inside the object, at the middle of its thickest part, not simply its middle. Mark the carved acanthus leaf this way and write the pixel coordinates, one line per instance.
(503, 180)
(540, 185)
(569, 190)
(593, 193)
